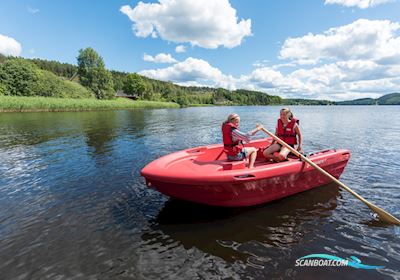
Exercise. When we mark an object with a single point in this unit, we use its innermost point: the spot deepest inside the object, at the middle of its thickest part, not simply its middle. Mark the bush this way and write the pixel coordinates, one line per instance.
(19, 77)
(48, 85)
(75, 90)
(3, 89)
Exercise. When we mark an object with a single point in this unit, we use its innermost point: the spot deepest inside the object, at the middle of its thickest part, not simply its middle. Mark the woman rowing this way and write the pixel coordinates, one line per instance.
(287, 129)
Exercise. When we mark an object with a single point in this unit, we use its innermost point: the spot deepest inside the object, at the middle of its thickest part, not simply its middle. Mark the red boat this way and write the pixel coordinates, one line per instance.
(204, 175)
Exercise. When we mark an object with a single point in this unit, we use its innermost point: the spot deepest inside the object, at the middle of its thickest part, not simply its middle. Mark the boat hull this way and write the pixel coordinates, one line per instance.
(231, 187)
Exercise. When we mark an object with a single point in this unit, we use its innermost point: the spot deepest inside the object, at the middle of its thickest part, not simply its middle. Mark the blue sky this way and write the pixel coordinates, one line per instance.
(325, 49)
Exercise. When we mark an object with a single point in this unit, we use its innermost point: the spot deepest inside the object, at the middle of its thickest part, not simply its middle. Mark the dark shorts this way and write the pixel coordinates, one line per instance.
(291, 145)
(240, 156)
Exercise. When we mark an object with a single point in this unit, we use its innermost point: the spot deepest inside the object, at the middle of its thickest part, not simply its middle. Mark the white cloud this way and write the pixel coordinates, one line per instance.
(348, 79)
(266, 63)
(192, 71)
(269, 80)
(206, 23)
(341, 80)
(180, 49)
(358, 60)
(159, 58)
(261, 63)
(361, 40)
(33, 10)
(362, 4)
(9, 46)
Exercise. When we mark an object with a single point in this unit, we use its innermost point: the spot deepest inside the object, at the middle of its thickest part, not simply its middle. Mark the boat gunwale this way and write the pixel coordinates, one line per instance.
(268, 170)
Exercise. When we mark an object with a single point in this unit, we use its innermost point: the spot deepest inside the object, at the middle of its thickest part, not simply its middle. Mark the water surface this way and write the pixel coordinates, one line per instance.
(73, 205)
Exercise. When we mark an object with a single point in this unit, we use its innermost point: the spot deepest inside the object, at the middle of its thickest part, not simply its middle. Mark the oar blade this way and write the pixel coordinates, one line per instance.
(383, 215)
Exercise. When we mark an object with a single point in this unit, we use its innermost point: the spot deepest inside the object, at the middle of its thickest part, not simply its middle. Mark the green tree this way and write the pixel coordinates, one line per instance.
(134, 85)
(182, 99)
(2, 58)
(60, 69)
(3, 88)
(93, 74)
(219, 96)
(18, 77)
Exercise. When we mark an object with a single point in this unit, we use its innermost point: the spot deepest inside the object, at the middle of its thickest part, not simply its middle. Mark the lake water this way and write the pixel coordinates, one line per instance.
(73, 204)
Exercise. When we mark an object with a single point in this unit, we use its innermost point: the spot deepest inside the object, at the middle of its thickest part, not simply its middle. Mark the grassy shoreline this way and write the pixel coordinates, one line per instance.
(48, 104)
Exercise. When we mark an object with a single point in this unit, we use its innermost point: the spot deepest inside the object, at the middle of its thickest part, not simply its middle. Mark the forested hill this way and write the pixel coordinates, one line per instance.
(38, 77)
(388, 99)
(160, 90)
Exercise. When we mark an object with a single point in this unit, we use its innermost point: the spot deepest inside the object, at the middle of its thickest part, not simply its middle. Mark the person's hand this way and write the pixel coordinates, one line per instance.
(299, 149)
(259, 127)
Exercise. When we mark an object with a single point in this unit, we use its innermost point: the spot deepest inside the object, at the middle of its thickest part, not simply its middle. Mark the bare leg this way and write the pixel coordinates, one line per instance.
(282, 154)
(252, 153)
(269, 152)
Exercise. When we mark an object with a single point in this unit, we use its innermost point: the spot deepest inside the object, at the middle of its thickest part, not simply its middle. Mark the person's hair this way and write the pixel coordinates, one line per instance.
(232, 117)
(288, 113)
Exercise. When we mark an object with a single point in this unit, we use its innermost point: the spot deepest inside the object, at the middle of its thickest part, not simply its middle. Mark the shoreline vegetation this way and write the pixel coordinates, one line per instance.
(28, 85)
(49, 104)
(9, 104)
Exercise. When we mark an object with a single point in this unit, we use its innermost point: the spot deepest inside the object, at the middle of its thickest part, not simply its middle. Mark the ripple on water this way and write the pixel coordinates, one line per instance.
(73, 203)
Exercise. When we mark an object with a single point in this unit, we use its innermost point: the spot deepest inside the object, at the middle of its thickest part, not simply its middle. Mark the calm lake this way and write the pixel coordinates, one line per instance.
(74, 206)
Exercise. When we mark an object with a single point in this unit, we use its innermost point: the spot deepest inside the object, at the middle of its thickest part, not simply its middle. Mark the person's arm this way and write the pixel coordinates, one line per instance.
(300, 138)
(257, 129)
(237, 135)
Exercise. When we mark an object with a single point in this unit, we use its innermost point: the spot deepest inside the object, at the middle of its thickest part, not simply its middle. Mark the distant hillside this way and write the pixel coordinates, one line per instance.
(166, 91)
(299, 101)
(156, 90)
(361, 101)
(388, 99)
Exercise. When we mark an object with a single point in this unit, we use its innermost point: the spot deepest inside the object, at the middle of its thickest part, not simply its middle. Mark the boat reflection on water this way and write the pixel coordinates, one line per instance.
(234, 233)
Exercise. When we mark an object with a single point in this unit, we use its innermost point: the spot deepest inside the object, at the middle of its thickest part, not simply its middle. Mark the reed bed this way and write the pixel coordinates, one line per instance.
(35, 104)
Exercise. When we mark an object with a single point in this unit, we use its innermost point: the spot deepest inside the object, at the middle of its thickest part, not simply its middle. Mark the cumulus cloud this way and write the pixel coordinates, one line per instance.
(342, 80)
(192, 71)
(361, 59)
(159, 58)
(347, 79)
(207, 23)
(362, 4)
(363, 39)
(180, 49)
(270, 80)
(358, 60)
(33, 11)
(9, 46)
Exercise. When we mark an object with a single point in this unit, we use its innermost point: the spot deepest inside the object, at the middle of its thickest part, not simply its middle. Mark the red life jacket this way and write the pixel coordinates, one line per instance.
(231, 148)
(288, 133)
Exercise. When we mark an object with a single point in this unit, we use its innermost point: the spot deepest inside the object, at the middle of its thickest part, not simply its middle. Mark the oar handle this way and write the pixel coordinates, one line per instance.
(382, 213)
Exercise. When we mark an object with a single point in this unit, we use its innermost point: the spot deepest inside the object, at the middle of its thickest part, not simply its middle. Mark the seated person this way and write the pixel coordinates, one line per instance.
(288, 130)
(233, 140)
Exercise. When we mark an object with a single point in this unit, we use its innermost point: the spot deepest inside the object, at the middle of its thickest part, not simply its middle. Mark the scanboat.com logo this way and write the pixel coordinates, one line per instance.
(329, 260)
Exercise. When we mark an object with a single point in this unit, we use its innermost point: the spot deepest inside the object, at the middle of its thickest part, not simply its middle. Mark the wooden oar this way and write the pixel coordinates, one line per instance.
(385, 216)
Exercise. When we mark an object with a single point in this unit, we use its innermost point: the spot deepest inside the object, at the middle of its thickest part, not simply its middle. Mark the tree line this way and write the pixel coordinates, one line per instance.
(90, 79)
